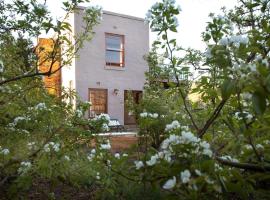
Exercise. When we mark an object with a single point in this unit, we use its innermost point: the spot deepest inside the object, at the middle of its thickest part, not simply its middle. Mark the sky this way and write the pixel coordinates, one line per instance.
(192, 19)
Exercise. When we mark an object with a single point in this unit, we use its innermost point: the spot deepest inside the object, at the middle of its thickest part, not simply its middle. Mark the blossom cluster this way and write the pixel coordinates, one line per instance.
(150, 115)
(4, 151)
(51, 145)
(243, 115)
(105, 146)
(91, 155)
(234, 39)
(167, 152)
(102, 116)
(25, 166)
(172, 126)
(17, 120)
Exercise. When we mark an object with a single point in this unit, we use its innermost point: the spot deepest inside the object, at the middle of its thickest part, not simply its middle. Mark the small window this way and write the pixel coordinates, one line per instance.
(114, 50)
(98, 98)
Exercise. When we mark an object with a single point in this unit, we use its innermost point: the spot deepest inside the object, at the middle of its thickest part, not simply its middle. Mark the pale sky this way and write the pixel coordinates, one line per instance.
(192, 19)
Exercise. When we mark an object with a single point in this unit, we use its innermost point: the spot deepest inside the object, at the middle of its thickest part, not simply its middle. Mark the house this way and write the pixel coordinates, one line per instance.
(111, 65)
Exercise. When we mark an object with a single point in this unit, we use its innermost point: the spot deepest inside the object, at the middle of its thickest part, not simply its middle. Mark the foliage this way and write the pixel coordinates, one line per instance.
(216, 147)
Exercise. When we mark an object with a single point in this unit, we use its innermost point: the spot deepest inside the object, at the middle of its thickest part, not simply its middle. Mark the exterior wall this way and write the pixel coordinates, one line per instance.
(91, 69)
(53, 82)
(68, 72)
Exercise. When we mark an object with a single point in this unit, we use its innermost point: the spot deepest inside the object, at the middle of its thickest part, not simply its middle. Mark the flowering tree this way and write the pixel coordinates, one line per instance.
(217, 147)
(41, 136)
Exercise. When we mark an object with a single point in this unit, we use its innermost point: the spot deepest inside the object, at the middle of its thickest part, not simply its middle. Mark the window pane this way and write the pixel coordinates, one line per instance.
(113, 42)
(113, 56)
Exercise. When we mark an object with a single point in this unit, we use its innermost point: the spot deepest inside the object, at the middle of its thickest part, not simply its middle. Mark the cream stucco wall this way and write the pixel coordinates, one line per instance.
(90, 67)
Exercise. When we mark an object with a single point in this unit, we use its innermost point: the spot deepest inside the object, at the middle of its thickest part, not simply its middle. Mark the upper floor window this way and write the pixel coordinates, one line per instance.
(114, 50)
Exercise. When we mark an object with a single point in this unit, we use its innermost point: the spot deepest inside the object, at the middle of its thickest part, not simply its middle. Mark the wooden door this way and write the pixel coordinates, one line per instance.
(129, 118)
(98, 98)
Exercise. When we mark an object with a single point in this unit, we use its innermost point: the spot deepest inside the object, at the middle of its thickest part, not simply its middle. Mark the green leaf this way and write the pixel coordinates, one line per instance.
(267, 83)
(259, 103)
(227, 88)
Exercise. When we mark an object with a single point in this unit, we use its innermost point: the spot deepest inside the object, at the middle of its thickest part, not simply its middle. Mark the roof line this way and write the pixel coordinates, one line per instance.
(116, 14)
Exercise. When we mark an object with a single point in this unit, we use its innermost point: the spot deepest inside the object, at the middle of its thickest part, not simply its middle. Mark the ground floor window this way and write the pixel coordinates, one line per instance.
(98, 98)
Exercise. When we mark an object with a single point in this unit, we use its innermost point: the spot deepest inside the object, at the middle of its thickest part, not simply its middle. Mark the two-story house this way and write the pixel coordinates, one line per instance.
(110, 65)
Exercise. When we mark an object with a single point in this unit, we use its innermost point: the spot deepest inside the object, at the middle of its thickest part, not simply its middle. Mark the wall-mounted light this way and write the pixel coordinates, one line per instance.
(115, 91)
(98, 83)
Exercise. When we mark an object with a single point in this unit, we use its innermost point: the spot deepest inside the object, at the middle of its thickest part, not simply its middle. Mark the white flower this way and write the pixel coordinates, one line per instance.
(152, 161)
(1, 67)
(259, 146)
(98, 176)
(167, 156)
(67, 158)
(189, 137)
(246, 96)
(174, 125)
(79, 113)
(40, 106)
(105, 127)
(93, 151)
(56, 147)
(125, 155)
(5, 151)
(207, 152)
(185, 176)
(165, 144)
(138, 164)
(46, 148)
(224, 41)
(104, 116)
(106, 146)
(170, 184)
(198, 172)
(252, 67)
(144, 114)
(155, 115)
(25, 166)
(248, 147)
(205, 145)
(117, 155)
(90, 157)
(229, 158)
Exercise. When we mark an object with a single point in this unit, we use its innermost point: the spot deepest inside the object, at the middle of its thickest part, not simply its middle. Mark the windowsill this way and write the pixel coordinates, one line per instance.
(114, 68)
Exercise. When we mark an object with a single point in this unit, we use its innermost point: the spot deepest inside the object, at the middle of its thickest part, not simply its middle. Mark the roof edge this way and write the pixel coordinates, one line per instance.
(116, 14)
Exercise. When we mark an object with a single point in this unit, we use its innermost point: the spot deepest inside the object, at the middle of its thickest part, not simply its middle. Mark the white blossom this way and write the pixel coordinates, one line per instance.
(79, 113)
(40, 106)
(229, 158)
(170, 184)
(152, 161)
(103, 116)
(174, 125)
(188, 137)
(5, 151)
(98, 176)
(106, 146)
(185, 176)
(224, 41)
(25, 166)
(150, 115)
(138, 164)
(117, 155)
(259, 146)
(67, 158)
(198, 172)
(105, 127)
